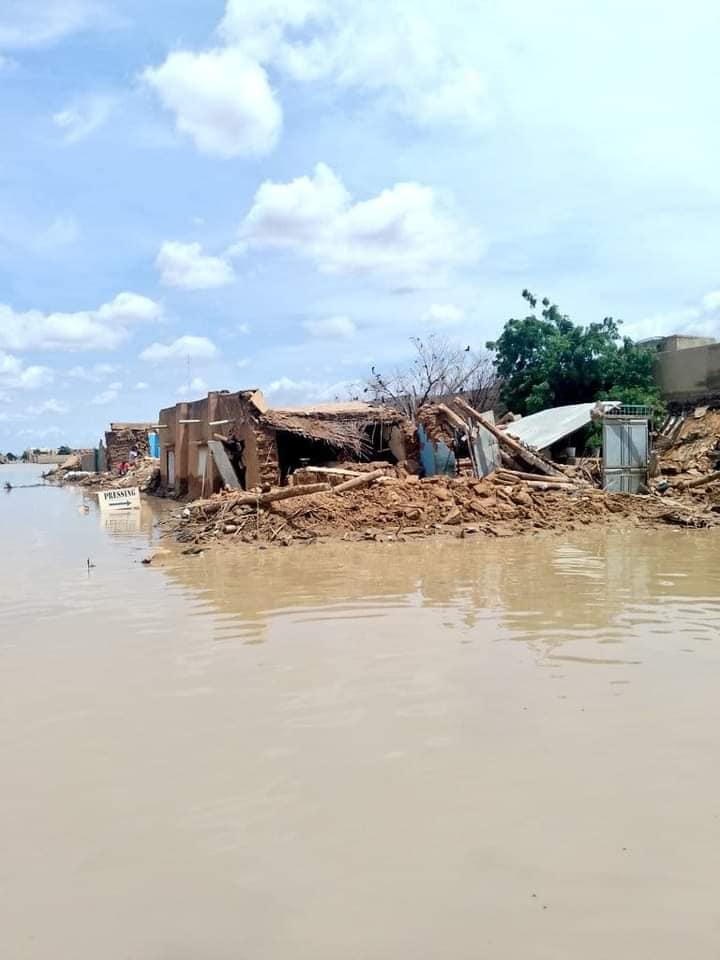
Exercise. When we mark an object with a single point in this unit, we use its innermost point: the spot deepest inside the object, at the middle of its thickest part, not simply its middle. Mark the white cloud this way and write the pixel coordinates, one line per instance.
(102, 329)
(185, 265)
(196, 348)
(48, 406)
(387, 51)
(702, 320)
(14, 375)
(221, 99)
(288, 390)
(106, 396)
(7, 63)
(405, 233)
(711, 301)
(393, 50)
(94, 374)
(444, 315)
(196, 388)
(44, 434)
(81, 118)
(62, 232)
(331, 328)
(28, 24)
(141, 385)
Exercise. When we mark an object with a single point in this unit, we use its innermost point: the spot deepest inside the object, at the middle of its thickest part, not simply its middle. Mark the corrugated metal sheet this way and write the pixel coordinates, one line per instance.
(541, 430)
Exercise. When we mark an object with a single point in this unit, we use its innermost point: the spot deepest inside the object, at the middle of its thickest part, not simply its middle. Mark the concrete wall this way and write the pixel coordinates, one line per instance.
(689, 374)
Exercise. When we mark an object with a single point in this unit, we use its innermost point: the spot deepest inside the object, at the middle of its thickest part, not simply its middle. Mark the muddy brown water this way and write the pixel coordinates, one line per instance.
(501, 749)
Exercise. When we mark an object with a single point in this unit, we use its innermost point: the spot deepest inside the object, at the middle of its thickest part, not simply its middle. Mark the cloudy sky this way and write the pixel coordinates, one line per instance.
(278, 193)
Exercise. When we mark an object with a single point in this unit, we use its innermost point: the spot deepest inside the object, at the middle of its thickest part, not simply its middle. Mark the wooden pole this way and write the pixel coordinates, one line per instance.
(548, 485)
(259, 499)
(700, 481)
(362, 480)
(519, 475)
(518, 449)
(460, 424)
(454, 419)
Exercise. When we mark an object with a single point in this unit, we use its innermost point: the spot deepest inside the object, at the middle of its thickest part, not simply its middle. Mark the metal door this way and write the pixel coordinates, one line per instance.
(626, 451)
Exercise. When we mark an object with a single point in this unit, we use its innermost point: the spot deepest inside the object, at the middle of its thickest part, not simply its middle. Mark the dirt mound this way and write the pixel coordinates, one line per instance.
(397, 509)
(145, 476)
(695, 447)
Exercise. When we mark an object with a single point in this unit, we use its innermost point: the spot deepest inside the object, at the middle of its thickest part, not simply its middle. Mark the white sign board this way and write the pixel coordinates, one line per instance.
(113, 501)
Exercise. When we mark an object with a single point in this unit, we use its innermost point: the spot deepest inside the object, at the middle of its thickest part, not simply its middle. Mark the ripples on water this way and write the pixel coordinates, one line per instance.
(498, 748)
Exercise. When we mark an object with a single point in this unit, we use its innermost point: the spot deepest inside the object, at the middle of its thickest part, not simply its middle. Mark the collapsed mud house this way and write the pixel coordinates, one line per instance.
(121, 438)
(234, 439)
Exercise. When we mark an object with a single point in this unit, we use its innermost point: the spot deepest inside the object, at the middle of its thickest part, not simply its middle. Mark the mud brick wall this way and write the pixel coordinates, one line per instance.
(268, 465)
(118, 444)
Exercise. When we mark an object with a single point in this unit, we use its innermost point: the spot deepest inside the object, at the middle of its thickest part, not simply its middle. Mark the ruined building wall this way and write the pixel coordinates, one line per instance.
(260, 452)
(167, 433)
(118, 444)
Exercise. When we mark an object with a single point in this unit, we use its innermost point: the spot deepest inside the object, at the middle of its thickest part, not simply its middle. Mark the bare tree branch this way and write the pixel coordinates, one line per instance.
(438, 369)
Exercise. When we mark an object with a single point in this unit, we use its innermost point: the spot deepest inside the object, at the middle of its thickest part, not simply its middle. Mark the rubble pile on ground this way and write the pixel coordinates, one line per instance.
(145, 476)
(694, 448)
(400, 509)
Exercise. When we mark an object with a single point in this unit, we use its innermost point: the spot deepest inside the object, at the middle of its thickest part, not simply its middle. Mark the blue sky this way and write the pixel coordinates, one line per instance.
(279, 193)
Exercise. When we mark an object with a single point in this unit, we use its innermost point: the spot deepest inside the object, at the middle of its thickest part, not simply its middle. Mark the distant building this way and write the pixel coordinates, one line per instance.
(687, 368)
(675, 342)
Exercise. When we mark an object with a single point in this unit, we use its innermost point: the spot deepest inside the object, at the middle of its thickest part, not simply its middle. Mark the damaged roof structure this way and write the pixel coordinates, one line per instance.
(236, 439)
(542, 430)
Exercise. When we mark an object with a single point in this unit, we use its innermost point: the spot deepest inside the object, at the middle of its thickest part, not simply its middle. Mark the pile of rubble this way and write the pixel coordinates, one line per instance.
(145, 475)
(526, 494)
(391, 508)
(689, 445)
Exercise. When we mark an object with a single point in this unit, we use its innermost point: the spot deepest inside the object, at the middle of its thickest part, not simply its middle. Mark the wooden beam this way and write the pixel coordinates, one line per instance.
(218, 423)
(699, 482)
(510, 442)
(362, 480)
(259, 499)
(189, 421)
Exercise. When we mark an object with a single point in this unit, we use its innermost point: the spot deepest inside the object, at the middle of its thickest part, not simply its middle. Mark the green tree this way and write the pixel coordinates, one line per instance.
(548, 360)
(64, 451)
(10, 457)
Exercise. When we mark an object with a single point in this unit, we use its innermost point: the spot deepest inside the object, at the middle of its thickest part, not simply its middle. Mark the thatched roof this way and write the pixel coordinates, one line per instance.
(341, 434)
(348, 410)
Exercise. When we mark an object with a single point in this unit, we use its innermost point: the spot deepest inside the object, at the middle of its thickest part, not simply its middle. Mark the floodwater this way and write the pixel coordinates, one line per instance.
(502, 749)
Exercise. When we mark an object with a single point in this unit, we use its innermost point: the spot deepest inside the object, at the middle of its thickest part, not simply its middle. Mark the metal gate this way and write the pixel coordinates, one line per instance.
(626, 449)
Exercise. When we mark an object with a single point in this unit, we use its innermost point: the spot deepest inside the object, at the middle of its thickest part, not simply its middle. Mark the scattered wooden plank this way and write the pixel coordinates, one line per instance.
(362, 480)
(258, 499)
(222, 461)
(333, 471)
(509, 442)
(521, 475)
(700, 482)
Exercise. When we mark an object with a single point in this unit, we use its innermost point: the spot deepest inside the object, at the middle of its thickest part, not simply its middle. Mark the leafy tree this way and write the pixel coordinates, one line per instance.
(10, 457)
(64, 451)
(548, 360)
